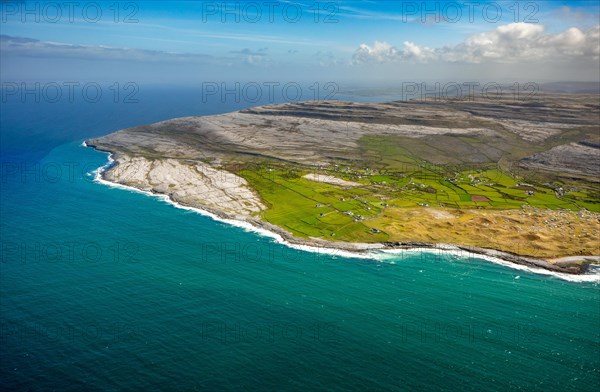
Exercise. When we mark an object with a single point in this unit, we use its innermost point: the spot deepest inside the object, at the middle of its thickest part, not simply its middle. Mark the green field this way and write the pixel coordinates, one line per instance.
(308, 208)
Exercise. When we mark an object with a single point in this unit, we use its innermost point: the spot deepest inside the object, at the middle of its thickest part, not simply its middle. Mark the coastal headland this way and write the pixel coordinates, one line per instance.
(516, 180)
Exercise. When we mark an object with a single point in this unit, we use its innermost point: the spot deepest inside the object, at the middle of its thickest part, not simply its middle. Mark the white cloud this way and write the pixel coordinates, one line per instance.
(515, 42)
(380, 52)
(414, 51)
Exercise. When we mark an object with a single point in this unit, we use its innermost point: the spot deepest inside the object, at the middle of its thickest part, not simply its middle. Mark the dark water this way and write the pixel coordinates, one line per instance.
(106, 289)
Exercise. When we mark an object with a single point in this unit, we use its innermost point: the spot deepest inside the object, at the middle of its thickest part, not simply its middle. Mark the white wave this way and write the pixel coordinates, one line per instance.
(233, 222)
(377, 255)
(267, 233)
(463, 254)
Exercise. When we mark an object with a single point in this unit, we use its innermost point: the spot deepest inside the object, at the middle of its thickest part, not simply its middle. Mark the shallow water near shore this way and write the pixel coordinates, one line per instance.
(108, 289)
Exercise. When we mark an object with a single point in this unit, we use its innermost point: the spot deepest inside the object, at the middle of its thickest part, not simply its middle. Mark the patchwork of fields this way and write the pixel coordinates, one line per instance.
(434, 197)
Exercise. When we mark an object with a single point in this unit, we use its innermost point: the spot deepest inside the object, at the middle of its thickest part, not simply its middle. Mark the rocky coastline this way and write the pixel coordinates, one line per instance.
(573, 266)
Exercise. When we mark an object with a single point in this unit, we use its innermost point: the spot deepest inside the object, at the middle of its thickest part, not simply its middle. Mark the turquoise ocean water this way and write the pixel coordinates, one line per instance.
(108, 289)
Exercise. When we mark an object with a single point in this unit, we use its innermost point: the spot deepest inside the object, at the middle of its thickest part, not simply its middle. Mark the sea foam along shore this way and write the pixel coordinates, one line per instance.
(368, 251)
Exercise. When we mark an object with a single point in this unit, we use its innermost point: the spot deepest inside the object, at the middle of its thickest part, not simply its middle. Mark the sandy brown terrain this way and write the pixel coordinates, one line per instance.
(539, 233)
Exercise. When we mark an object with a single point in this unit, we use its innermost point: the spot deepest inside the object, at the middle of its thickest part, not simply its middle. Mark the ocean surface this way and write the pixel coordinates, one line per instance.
(108, 289)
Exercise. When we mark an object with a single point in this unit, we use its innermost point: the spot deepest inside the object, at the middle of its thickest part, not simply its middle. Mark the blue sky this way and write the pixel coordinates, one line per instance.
(352, 40)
